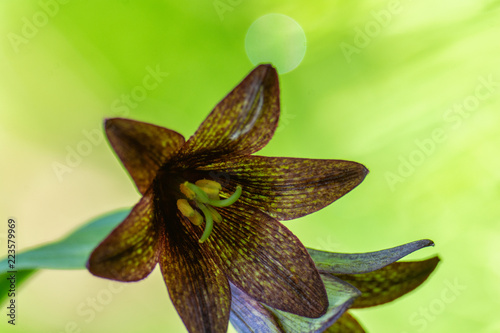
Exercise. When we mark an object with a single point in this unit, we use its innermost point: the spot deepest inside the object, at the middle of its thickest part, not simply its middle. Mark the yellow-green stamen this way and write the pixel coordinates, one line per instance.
(187, 191)
(205, 194)
(215, 214)
(227, 202)
(188, 211)
(209, 223)
(210, 187)
(200, 195)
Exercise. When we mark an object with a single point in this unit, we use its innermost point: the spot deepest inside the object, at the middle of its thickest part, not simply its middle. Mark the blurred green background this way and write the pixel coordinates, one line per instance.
(408, 88)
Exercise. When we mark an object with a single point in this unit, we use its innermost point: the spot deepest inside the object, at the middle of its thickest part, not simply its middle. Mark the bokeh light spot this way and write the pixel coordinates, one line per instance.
(277, 39)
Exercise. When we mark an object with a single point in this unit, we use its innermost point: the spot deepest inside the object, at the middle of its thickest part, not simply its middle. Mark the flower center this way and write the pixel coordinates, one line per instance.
(205, 195)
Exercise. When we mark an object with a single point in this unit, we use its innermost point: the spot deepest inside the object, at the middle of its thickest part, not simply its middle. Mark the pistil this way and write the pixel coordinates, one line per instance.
(205, 195)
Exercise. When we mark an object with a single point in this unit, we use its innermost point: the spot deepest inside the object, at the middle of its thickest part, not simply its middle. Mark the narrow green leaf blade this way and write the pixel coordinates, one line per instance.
(70, 252)
(357, 263)
(7, 290)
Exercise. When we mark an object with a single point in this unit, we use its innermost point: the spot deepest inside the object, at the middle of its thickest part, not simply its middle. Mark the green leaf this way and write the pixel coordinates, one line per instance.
(5, 283)
(390, 282)
(70, 252)
(357, 263)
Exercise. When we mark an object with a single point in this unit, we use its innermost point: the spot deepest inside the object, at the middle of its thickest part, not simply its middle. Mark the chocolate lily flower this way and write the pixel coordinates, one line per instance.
(209, 211)
(352, 281)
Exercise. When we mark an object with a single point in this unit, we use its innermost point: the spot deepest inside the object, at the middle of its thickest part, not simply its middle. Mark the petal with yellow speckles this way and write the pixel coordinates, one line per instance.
(142, 148)
(242, 123)
(130, 252)
(198, 289)
(390, 282)
(264, 259)
(288, 188)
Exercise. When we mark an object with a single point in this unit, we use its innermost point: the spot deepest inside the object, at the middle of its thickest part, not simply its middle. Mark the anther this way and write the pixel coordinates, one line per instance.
(215, 214)
(205, 194)
(188, 211)
(187, 191)
(210, 187)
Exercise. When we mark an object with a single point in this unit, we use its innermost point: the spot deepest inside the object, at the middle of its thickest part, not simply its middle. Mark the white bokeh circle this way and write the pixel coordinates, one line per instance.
(277, 39)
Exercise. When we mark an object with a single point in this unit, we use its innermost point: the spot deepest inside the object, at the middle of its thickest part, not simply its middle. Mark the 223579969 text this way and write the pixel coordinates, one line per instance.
(11, 262)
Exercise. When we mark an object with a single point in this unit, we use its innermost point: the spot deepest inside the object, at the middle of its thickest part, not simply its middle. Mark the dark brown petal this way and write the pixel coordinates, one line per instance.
(142, 147)
(198, 289)
(249, 316)
(391, 282)
(242, 123)
(345, 324)
(130, 252)
(265, 260)
(288, 188)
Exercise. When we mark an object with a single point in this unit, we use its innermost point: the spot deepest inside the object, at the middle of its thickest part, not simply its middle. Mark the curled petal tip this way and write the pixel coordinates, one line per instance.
(109, 121)
(265, 67)
(365, 170)
(424, 243)
(429, 242)
(112, 124)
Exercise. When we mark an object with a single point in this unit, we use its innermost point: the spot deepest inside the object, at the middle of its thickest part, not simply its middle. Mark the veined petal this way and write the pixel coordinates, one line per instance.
(357, 263)
(198, 289)
(390, 282)
(340, 297)
(345, 324)
(250, 316)
(142, 147)
(131, 251)
(264, 259)
(288, 188)
(242, 123)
